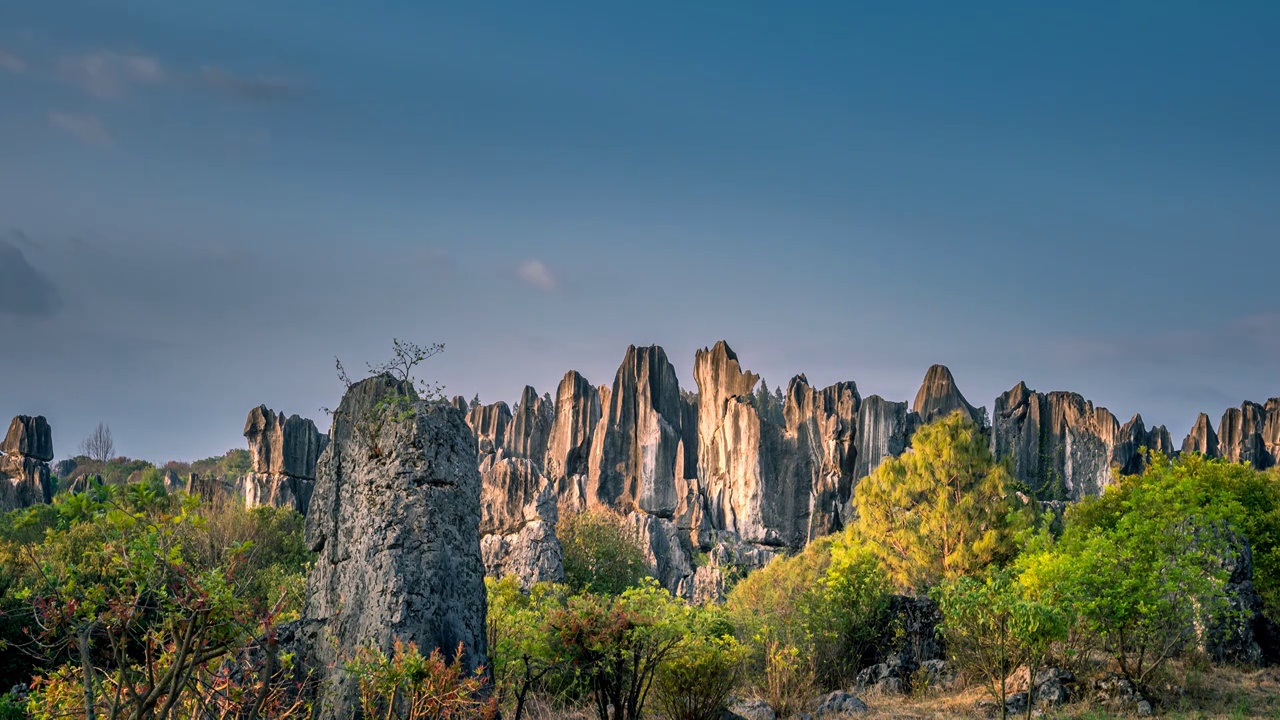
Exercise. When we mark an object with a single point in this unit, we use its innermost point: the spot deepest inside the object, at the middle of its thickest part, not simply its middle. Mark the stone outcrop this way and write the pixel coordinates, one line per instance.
(1063, 447)
(884, 431)
(632, 465)
(395, 520)
(530, 552)
(24, 466)
(1202, 438)
(284, 451)
(577, 411)
(938, 397)
(1240, 435)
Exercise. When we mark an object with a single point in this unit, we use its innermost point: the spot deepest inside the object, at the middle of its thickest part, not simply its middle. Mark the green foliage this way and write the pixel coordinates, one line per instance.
(600, 556)
(831, 601)
(992, 628)
(702, 671)
(1140, 567)
(11, 708)
(770, 404)
(616, 644)
(941, 511)
(520, 637)
(137, 600)
(408, 685)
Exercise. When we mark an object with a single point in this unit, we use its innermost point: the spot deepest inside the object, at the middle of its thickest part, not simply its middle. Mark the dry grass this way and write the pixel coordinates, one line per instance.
(1191, 692)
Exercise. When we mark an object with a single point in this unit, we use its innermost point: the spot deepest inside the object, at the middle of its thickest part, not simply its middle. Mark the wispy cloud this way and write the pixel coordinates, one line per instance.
(261, 88)
(537, 274)
(111, 74)
(11, 62)
(86, 128)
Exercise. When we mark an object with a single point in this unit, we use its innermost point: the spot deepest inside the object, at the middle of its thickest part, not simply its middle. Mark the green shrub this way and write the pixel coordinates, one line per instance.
(600, 556)
(702, 671)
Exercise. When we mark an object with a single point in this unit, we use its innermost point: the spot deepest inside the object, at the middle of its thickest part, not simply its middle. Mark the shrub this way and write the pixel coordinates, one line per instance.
(992, 629)
(600, 556)
(618, 643)
(410, 686)
(702, 671)
(831, 599)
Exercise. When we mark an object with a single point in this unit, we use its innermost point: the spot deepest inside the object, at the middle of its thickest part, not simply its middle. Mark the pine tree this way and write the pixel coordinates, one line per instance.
(475, 402)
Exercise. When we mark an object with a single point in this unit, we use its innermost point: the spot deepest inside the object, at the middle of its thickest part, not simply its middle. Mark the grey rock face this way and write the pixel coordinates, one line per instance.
(489, 425)
(1061, 445)
(30, 437)
(395, 518)
(1241, 436)
(938, 397)
(884, 431)
(577, 412)
(530, 428)
(1230, 636)
(633, 454)
(24, 466)
(1202, 439)
(531, 553)
(284, 451)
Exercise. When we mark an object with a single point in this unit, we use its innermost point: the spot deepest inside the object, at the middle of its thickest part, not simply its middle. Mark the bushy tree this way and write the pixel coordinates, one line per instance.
(617, 644)
(696, 680)
(944, 509)
(1141, 567)
(992, 629)
(408, 685)
(829, 603)
(600, 556)
(519, 636)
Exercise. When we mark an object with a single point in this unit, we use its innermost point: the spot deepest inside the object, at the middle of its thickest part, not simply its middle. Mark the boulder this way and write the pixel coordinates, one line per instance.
(489, 425)
(30, 437)
(1229, 636)
(938, 397)
(395, 520)
(749, 710)
(839, 704)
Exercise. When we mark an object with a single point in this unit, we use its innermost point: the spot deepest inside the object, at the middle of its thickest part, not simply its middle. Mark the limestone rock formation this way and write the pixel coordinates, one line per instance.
(1240, 436)
(24, 466)
(1202, 439)
(577, 411)
(395, 521)
(284, 453)
(884, 431)
(938, 397)
(30, 437)
(632, 465)
(532, 552)
(530, 427)
(489, 425)
(1060, 445)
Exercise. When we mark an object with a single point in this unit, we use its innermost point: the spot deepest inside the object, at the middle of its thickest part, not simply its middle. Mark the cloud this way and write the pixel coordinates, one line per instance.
(11, 62)
(262, 88)
(24, 291)
(538, 275)
(110, 74)
(87, 128)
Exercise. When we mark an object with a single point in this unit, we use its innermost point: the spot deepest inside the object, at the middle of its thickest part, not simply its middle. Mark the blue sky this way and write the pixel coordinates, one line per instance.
(202, 203)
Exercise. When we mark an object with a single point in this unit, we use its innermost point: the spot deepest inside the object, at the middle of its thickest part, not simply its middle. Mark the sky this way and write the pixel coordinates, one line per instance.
(203, 204)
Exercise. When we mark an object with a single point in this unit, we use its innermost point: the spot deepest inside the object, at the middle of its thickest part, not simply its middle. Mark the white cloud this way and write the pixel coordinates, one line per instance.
(110, 74)
(538, 275)
(87, 128)
(11, 62)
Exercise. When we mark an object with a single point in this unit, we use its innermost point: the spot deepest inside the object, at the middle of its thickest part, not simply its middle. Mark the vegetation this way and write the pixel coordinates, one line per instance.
(992, 629)
(600, 556)
(100, 445)
(942, 511)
